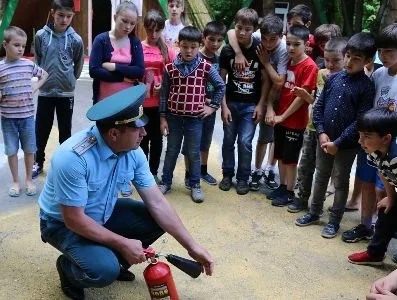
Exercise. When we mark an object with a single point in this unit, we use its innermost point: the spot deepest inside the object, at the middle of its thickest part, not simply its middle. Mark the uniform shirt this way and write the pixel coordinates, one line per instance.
(93, 179)
(343, 99)
(303, 74)
(16, 99)
(386, 88)
(242, 86)
(387, 165)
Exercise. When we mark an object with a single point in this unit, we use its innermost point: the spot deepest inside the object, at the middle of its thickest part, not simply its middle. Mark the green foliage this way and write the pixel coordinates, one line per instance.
(224, 10)
(371, 8)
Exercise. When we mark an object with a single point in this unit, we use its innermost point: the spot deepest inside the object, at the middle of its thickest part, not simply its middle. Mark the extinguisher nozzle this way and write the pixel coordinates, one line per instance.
(190, 267)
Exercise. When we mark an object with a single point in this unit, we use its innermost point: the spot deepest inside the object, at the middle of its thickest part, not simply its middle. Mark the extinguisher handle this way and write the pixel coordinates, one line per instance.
(190, 267)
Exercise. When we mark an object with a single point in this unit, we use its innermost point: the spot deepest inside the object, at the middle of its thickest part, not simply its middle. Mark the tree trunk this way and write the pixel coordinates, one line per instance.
(390, 14)
(268, 7)
(359, 12)
(348, 13)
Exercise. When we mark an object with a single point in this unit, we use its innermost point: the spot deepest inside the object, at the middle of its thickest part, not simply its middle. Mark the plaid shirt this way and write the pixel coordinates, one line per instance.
(386, 164)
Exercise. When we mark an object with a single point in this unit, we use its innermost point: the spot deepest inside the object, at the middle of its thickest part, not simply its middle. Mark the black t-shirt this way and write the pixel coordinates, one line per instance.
(242, 86)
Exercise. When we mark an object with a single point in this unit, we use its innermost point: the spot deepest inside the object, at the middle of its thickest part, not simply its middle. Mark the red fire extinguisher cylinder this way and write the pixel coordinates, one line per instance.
(159, 281)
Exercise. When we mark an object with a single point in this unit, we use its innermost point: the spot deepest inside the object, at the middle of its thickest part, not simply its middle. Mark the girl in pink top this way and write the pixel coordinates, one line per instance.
(116, 59)
(156, 55)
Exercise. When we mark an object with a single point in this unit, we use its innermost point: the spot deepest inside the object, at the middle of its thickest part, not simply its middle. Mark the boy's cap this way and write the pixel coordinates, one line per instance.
(122, 108)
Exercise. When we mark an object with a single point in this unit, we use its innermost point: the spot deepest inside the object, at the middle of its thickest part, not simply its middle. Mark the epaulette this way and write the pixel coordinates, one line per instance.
(86, 144)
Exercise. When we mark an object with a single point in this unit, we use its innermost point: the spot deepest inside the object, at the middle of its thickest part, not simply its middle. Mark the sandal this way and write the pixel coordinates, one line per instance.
(30, 190)
(13, 192)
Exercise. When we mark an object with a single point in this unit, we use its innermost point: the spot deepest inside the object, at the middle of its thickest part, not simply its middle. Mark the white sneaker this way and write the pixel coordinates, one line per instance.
(164, 188)
(197, 194)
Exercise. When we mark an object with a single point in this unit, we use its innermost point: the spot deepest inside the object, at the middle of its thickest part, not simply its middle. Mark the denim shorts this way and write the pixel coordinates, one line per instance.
(364, 171)
(18, 130)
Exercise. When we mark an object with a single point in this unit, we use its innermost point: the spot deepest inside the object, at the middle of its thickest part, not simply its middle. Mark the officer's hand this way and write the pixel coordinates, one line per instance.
(202, 256)
(132, 251)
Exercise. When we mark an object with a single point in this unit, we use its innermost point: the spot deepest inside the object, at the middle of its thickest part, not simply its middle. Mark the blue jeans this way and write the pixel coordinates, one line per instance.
(190, 129)
(243, 127)
(91, 264)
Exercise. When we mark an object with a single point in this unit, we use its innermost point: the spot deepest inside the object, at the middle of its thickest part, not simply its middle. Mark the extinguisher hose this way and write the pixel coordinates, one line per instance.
(190, 267)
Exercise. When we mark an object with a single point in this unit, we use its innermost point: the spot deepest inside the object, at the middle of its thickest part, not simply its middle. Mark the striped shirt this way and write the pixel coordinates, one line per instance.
(386, 164)
(16, 89)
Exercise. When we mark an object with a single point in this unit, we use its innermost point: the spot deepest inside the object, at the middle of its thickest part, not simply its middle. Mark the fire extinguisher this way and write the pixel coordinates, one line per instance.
(158, 274)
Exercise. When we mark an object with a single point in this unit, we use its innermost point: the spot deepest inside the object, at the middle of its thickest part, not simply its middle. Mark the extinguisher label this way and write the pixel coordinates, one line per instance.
(160, 292)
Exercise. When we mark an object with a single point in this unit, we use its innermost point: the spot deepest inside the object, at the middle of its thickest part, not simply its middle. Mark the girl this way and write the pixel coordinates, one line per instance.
(156, 56)
(175, 23)
(116, 59)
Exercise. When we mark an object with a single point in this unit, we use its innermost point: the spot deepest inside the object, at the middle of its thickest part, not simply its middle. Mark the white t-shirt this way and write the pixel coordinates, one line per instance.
(170, 32)
(385, 88)
(279, 57)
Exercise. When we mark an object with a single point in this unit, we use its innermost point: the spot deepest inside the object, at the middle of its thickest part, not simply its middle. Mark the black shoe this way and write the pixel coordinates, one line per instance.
(307, 219)
(277, 192)
(125, 275)
(283, 199)
(226, 183)
(37, 170)
(357, 233)
(68, 289)
(270, 180)
(297, 205)
(330, 230)
(255, 178)
(242, 187)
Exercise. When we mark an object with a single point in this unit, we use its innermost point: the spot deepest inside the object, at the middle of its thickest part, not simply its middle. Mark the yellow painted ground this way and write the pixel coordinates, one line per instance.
(259, 252)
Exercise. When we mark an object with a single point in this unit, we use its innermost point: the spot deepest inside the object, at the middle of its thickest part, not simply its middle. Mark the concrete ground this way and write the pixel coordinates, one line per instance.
(259, 253)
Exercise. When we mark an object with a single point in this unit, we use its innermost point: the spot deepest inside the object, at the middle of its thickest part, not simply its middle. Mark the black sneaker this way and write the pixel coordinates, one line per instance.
(125, 275)
(277, 192)
(255, 178)
(358, 233)
(307, 219)
(37, 170)
(242, 187)
(68, 289)
(226, 183)
(330, 230)
(270, 180)
(283, 199)
(297, 205)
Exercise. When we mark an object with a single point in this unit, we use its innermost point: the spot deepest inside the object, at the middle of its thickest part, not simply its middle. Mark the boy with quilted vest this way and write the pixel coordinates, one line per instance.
(183, 107)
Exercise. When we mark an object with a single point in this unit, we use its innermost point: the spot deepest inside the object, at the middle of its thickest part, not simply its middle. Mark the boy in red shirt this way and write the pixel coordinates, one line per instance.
(292, 114)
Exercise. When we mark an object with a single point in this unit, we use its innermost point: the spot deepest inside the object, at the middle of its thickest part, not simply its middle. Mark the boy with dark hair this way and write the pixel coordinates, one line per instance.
(385, 81)
(183, 106)
(243, 105)
(17, 107)
(58, 50)
(378, 132)
(292, 114)
(346, 95)
(333, 55)
(214, 34)
(322, 34)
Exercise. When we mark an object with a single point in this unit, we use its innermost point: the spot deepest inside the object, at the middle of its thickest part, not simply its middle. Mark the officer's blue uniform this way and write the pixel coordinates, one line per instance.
(85, 172)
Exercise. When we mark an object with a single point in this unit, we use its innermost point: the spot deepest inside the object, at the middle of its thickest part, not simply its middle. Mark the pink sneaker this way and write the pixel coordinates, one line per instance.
(363, 258)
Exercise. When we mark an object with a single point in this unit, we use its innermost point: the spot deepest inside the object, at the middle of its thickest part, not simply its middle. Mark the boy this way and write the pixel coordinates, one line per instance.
(292, 114)
(322, 34)
(333, 56)
(17, 107)
(183, 107)
(378, 132)
(243, 105)
(273, 55)
(345, 96)
(214, 34)
(385, 81)
(59, 50)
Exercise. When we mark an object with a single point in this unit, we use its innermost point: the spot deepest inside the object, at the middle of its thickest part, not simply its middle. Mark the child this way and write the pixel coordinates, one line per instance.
(214, 34)
(333, 56)
(183, 105)
(243, 105)
(17, 107)
(156, 55)
(322, 34)
(378, 132)
(175, 23)
(58, 50)
(292, 114)
(116, 60)
(345, 96)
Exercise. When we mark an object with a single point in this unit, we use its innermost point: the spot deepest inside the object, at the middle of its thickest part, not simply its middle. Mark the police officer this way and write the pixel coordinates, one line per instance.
(100, 235)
